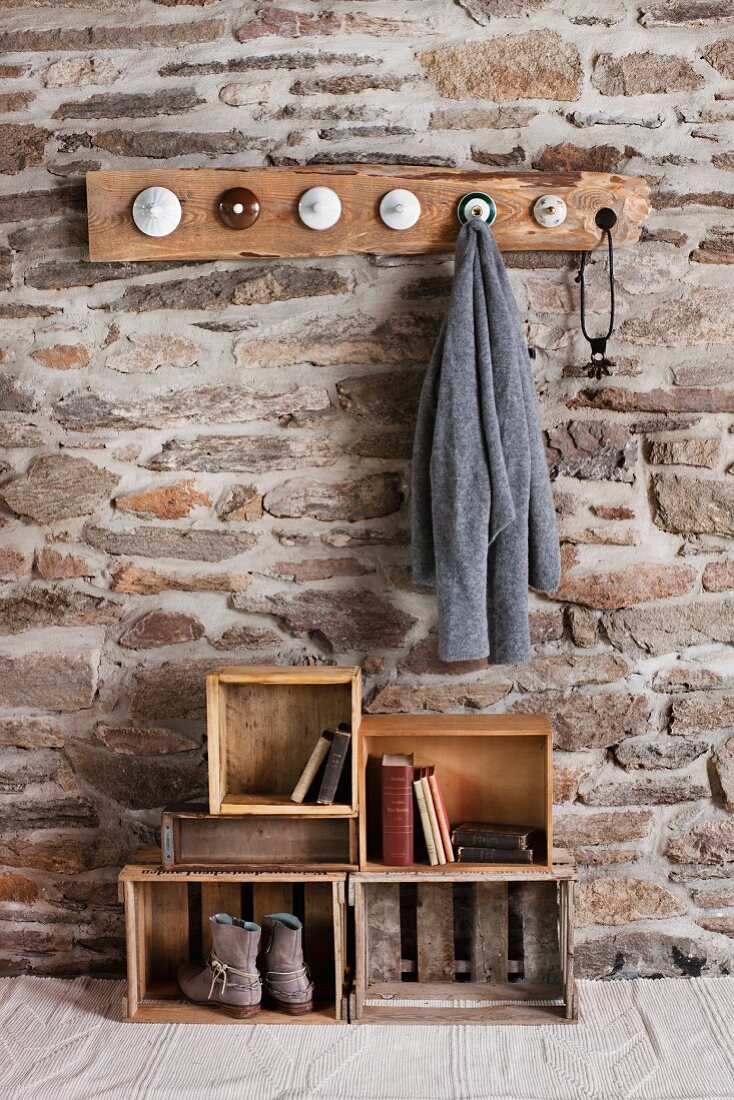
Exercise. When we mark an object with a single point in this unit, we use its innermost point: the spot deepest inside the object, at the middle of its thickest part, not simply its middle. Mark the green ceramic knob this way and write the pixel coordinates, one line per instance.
(477, 204)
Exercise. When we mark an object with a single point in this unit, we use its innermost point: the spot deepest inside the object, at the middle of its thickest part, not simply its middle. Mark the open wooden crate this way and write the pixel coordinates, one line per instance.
(493, 767)
(262, 725)
(474, 948)
(166, 924)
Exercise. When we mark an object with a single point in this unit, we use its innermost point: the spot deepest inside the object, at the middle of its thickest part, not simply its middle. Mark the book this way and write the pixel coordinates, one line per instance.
(397, 810)
(443, 818)
(494, 855)
(335, 761)
(313, 766)
(479, 834)
(432, 815)
(420, 799)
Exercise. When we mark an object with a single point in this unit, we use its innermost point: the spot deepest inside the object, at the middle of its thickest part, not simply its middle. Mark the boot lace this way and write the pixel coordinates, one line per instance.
(220, 970)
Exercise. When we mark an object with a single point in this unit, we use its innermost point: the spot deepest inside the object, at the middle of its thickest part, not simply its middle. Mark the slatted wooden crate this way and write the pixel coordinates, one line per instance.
(472, 948)
(166, 924)
(262, 725)
(191, 837)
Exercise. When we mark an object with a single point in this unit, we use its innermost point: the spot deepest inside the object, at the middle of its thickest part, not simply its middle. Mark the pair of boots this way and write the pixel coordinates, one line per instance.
(240, 967)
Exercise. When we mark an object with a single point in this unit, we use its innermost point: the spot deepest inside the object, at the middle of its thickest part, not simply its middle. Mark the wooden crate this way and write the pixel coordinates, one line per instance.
(475, 948)
(496, 767)
(192, 837)
(166, 924)
(262, 725)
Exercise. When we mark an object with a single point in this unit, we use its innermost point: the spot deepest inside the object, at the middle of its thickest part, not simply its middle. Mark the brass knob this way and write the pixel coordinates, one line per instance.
(239, 208)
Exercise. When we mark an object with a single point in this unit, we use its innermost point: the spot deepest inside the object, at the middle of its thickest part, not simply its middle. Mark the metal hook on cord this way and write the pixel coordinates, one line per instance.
(599, 364)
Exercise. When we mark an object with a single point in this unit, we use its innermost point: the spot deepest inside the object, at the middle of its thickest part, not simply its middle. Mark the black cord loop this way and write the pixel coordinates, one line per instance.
(599, 364)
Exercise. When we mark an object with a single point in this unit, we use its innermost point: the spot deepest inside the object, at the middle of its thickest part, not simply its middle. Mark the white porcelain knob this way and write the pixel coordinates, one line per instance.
(237, 208)
(550, 211)
(400, 209)
(319, 208)
(156, 211)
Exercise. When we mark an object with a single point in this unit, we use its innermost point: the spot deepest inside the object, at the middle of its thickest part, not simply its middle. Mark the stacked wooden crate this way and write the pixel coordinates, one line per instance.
(456, 943)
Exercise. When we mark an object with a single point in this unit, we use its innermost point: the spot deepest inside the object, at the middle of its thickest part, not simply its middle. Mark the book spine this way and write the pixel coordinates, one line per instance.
(397, 815)
(478, 839)
(308, 774)
(443, 819)
(425, 822)
(334, 767)
(434, 820)
(493, 855)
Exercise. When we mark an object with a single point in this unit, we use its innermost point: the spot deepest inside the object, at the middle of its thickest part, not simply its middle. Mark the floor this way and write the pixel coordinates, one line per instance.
(647, 1040)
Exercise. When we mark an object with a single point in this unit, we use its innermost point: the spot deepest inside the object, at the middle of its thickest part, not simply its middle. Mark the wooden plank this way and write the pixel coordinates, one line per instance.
(568, 889)
(382, 932)
(339, 921)
(218, 897)
(184, 1012)
(271, 897)
(489, 932)
(167, 932)
(319, 938)
(539, 910)
(278, 231)
(215, 765)
(435, 932)
(133, 941)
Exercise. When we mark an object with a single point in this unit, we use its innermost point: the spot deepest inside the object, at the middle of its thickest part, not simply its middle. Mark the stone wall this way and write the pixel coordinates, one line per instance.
(207, 463)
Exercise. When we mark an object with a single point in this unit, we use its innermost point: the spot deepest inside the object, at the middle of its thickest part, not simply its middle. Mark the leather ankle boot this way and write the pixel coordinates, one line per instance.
(229, 978)
(288, 985)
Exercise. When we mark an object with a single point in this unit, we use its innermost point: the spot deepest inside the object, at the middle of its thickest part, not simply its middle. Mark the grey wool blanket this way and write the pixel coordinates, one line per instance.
(484, 525)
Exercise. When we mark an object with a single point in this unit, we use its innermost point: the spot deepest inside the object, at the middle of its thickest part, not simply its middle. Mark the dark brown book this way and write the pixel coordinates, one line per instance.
(397, 810)
(335, 761)
(494, 855)
(478, 834)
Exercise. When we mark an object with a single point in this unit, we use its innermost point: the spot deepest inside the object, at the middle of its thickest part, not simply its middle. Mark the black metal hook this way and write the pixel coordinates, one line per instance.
(599, 365)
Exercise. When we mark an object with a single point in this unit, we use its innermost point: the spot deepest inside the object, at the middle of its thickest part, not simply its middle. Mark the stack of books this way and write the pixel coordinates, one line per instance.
(319, 781)
(402, 783)
(486, 842)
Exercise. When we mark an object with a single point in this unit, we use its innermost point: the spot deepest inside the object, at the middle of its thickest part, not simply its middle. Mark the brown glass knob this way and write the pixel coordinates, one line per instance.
(238, 208)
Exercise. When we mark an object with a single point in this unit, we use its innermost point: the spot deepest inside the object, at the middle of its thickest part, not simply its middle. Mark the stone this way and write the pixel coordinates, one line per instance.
(37, 606)
(720, 54)
(658, 752)
(699, 713)
(604, 857)
(319, 569)
(241, 502)
(147, 786)
(711, 842)
(350, 84)
(77, 71)
(175, 501)
(503, 117)
(483, 11)
(62, 356)
(256, 285)
(51, 681)
(137, 581)
(588, 721)
(50, 813)
(58, 486)
(409, 698)
(621, 900)
(569, 670)
(646, 791)
(685, 677)
(17, 888)
(356, 338)
(584, 627)
(670, 628)
(566, 782)
(591, 449)
(149, 351)
(718, 922)
(382, 399)
(685, 452)
(167, 144)
(63, 274)
(79, 38)
(13, 563)
(21, 205)
(291, 59)
(160, 628)
(686, 13)
(718, 576)
(644, 74)
(85, 411)
(365, 498)
(143, 741)
(241, 94)
(650, 954)
(254, 454)
(582, 119)
(623, 587)
(344, 620)
(516, 155)
(21, 146)
(53, 565)
(165, 542)
(568, 157)
(247, 637)
(165, 101)
(286, 23)
(30, 733)
(694, 505)
(507, 68)
(171, 691)
(723, 764)
(570, 830)
(661, 200)
(698, 316)
(15, 101)
(716, 248)
(716, 897)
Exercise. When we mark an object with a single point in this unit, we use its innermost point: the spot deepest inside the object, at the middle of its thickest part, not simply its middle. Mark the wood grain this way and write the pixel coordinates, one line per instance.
(279, 233)
(489, 932)
(435, 932)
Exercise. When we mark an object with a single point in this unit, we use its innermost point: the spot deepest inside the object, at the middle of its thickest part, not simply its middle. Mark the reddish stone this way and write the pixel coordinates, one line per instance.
(139, 741)
(165, 502)
(588, 721)
(161, 628)
(17, 888)
(242, 502)
(20, 146)
(612, 511)
(320, 569)
(718, 576)
(13, 563)
(136, 580)
(576, 158)
(62, 356)
(53, 565)
(286, 23)
(624, 587)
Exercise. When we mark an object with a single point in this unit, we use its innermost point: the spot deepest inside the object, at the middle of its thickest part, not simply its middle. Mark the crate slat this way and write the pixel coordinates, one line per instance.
(489, 932)
(435, 932)
(383, 932)
(539, 910)
(217, 897)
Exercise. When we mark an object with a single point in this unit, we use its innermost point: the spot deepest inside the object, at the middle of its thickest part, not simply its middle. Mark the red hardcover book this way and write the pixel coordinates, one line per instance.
(397, 810)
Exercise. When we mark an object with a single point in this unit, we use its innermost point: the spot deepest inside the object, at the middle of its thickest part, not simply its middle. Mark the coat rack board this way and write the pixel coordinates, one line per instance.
(271, 227)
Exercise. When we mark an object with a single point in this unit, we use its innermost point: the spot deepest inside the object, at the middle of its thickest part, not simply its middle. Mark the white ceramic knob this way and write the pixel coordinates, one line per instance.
(550, 211)
(400, 209)
(319, 208)
(156, 211)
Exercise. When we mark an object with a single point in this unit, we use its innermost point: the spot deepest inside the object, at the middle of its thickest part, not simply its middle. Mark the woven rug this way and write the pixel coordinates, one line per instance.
(647, 1040)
